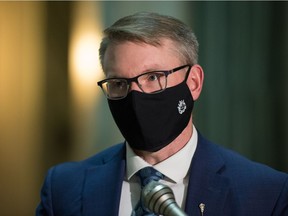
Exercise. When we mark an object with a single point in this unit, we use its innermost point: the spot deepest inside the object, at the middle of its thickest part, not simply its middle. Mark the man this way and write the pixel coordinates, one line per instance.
(153, 79)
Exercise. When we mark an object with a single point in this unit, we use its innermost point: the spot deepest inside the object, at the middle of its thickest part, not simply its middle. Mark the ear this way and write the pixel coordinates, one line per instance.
(195, 81)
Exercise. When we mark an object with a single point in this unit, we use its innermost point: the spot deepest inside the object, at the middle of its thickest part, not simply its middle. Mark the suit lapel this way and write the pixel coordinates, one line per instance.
(102, 188)
(103, 184)
(206, 184)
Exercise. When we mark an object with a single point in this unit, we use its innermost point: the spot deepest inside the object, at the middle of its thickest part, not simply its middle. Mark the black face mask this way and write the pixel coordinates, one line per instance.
(150, 122)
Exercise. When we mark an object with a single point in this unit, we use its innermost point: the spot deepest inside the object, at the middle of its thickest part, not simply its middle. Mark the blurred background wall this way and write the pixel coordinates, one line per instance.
(51, 110)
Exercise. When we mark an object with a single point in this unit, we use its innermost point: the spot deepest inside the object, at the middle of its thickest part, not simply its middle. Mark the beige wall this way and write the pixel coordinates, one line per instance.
(21, 79)
(41, 122)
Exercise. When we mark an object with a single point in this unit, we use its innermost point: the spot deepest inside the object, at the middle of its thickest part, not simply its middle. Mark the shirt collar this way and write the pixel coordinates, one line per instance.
(175, 167)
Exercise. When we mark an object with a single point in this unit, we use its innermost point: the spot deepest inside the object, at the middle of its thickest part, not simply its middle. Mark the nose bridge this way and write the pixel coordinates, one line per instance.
(134, 86)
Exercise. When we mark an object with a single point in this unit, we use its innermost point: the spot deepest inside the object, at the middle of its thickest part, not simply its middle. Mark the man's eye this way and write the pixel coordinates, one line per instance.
(120, 84)
(117, 84)
(153, 77)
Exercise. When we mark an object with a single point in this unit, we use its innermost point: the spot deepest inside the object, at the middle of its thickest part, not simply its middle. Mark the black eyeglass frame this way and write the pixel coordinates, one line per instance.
(135, 79)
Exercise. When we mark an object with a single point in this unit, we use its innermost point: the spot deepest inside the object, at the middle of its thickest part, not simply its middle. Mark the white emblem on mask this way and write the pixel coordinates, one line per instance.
(181, 106)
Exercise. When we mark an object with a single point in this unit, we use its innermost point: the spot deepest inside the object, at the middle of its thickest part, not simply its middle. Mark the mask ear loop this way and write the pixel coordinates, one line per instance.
(188, 72)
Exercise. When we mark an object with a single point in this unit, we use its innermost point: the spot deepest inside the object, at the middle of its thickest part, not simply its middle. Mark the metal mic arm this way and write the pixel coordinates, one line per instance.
(159, 198)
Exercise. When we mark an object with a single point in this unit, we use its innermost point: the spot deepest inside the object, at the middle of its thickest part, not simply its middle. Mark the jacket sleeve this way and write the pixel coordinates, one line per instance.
(45, 207)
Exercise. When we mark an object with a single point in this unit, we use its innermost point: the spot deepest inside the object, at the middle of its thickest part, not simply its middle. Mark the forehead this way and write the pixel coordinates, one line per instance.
(128, 59)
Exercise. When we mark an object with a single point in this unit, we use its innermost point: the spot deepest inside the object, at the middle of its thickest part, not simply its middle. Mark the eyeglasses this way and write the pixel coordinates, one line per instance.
(149, 82)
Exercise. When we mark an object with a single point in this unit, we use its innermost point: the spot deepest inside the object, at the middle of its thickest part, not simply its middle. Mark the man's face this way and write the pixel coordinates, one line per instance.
(130, 59)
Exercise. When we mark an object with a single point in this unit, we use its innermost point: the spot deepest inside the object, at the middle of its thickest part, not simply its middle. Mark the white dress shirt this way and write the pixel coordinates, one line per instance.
(175, 169)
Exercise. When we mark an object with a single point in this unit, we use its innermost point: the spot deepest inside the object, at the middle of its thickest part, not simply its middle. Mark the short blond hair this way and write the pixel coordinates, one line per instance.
(150, 28)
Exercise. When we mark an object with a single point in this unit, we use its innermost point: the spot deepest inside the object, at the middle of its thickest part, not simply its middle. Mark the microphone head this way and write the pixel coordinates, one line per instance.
(159, 198)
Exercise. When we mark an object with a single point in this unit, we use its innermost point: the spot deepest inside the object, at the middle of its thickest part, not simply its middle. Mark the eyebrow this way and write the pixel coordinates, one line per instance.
(151, 68)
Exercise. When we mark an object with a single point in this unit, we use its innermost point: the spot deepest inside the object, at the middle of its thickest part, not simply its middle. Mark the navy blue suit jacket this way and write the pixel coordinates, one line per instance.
(227, 183)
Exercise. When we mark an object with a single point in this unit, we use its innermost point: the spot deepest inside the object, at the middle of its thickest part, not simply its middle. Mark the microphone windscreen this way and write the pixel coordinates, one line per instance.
(159, 198)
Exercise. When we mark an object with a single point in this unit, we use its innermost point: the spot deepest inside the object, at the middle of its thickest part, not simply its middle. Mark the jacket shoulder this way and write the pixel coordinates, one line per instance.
(63, 186)
(243, 166)
(250, 180)
(76, 167)
(238, 165)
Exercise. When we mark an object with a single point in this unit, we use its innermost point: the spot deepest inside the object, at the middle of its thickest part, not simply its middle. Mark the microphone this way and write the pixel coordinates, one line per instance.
(159, 198)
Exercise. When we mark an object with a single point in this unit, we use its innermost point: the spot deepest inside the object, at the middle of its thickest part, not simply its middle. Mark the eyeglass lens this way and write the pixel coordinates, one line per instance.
(149, 83)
